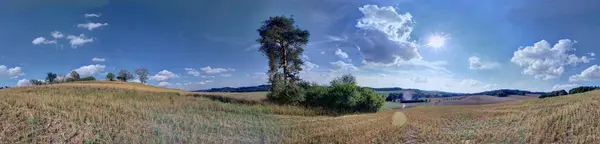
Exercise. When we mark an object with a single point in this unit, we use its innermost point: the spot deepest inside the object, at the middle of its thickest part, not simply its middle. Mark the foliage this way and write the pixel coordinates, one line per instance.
(582, 89)
(75, 75)
(36, 82)
(89, 78)
(283, 92)
(506, 92)
(142, 74)
(110, 76)
(395, 96)
(124, 75)
(50, 77)
(554, 93)
(281, 42)
(344, 96)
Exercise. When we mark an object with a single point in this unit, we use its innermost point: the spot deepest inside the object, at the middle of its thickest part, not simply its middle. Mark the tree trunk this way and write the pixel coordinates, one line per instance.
(284, 61)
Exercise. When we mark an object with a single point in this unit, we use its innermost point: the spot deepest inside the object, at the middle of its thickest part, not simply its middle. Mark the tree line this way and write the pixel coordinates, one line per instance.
(580, 89)
(123, 75)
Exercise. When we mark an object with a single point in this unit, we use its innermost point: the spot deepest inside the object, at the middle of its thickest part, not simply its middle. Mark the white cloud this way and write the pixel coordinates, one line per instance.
(192, 71)
(91, 26)
(419, 80)
(384, 35)
(92, 15)
(305, 57)
(23, 82)
(547, 62)
(207, 76)
(341, 54)
(322, 52)
(476, 64)
(57, 34)
(164, 75)
(11, 72)
(137, 80)
(98, 59)
(80, 40)
(591, 73)
(226, 75)
(210, 70)
(308, 66)
(89, 70)
(565, 86)
(164, 84)
(42, 40)
(592, 54)
(342, 66)
(204, 82)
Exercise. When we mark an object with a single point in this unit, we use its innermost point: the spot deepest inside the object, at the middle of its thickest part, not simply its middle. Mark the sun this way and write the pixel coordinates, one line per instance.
(436, 41)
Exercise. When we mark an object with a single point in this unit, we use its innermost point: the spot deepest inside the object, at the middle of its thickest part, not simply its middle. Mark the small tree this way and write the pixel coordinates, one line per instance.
(75, 75)
(110, 76)
(124, 75)
(50, 77)
(142, 74)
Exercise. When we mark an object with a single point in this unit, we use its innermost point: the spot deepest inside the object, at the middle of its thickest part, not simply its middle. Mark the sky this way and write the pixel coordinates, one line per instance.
(454, 46)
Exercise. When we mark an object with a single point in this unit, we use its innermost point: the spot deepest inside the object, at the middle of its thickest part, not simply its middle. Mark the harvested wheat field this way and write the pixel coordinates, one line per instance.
(115, 112)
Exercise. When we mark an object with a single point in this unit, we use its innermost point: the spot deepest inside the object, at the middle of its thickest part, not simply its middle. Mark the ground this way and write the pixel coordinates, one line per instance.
(113, 112)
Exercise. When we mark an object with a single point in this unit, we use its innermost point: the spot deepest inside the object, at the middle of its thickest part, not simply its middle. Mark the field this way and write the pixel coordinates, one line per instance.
(112, 112)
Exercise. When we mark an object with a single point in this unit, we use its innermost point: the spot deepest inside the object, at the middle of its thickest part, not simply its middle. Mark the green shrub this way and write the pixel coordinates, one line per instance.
(344, 96)
(285, 92)
(582, 89)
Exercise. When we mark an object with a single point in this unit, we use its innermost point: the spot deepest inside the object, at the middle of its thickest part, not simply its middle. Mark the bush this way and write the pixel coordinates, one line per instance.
(90, 78)
(344, 96)
(283, 92)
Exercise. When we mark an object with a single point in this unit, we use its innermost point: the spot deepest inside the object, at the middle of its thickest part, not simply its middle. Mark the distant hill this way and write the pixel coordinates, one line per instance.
(416, 93)
(260, 88)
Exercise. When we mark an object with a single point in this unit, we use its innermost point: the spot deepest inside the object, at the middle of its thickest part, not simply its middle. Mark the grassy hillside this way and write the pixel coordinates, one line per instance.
(112, 112)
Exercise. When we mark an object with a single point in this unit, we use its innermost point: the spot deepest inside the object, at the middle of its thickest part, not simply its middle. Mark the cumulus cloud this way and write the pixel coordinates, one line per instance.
(98, 59)
(13, 73)
(419, 80)
(42, 40)
(91, 15)
(57, 34)
(544, 61)
(23, 82)
(591, 73)
(164, 75)
(192, 71)
(91, 26)
(476, 64)
(341, 54)
(384, 35)
(322, 52)
(592, 54)
(564, 86)
(342, 66)
(80, 40)
(210, 70)
(164, 84)
(89, 70)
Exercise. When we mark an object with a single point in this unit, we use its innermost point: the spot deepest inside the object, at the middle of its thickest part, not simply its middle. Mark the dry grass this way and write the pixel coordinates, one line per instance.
(567, 119)
(112, 112)
(109, 112)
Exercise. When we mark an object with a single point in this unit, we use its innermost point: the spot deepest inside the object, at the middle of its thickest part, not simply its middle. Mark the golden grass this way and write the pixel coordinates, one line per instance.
(114, 112)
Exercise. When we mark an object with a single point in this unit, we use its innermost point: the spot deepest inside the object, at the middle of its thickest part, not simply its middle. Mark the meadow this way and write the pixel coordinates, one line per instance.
(117, 112)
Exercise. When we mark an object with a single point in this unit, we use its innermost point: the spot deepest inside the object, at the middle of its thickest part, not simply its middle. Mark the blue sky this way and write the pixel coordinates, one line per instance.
(538, 45)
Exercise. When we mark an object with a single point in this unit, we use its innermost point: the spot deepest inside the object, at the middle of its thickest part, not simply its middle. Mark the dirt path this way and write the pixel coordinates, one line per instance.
(398, 119)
